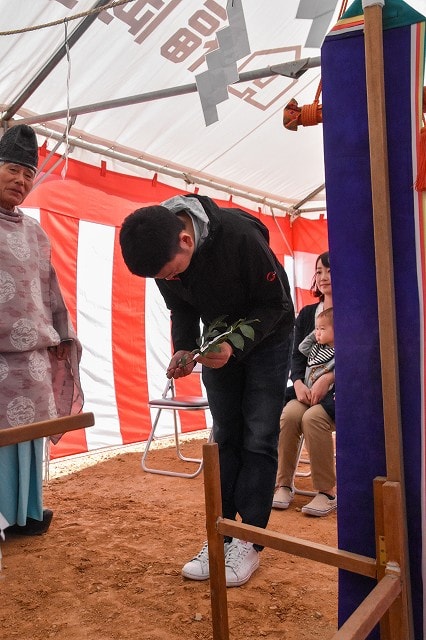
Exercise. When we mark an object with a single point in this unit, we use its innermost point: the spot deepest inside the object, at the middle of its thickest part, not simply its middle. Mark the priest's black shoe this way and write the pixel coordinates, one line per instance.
(33, 527)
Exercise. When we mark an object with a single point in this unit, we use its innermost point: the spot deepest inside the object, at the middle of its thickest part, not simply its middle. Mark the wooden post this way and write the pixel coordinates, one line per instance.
(374, 64)
(381, 552)
(213, 498)
(398, 614)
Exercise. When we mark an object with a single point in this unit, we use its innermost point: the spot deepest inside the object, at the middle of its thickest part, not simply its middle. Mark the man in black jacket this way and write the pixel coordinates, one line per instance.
(210, 262)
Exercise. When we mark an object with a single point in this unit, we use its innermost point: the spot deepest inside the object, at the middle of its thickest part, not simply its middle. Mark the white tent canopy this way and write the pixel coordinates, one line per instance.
(127, 76)
(146, 52)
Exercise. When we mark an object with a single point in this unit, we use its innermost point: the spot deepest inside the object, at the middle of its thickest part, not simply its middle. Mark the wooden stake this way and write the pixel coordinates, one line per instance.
(213, 500)
(398, 614)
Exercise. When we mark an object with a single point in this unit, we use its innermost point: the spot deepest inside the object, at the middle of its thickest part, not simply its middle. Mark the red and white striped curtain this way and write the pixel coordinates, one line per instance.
(120, 319)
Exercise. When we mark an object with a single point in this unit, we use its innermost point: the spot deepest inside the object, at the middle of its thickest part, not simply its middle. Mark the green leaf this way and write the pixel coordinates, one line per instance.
(218, 322)
(247, 331)
(236, 340)
(217, 332)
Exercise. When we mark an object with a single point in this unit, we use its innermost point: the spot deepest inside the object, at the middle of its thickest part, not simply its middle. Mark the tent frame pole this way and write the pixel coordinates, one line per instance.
(157, 165)
(293, 69)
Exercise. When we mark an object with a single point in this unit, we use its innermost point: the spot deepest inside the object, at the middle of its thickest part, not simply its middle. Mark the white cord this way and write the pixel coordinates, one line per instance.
(67, 50)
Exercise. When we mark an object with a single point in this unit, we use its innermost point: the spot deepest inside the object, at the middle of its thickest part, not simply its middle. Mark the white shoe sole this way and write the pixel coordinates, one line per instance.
(318, 514)
(280, 505)
(193, 576)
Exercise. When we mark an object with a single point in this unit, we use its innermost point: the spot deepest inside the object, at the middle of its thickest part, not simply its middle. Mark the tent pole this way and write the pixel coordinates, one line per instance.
(296, 210)
(293, 69)
(189, 176)
(373, 16)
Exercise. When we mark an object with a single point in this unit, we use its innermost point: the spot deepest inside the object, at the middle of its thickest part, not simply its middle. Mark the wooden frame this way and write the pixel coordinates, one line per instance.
(22, 433)
(386, 603)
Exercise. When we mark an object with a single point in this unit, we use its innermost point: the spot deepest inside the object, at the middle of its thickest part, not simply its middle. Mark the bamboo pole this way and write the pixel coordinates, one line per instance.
(374, 64)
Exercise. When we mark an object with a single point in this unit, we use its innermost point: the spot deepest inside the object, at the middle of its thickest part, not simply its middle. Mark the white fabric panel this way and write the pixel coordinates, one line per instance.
(304, 269)
(94, 321)
(289, 268)
(33, 212)
(164, 45)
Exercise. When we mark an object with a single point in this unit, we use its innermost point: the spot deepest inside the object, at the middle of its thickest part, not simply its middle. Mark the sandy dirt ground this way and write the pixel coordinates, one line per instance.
(109, 567)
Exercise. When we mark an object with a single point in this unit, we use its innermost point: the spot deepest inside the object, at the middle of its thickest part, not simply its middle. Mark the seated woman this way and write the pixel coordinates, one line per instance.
(309, 410)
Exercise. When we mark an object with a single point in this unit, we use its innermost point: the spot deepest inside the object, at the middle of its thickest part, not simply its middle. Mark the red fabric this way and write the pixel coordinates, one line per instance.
(310, 236)
(128, 339)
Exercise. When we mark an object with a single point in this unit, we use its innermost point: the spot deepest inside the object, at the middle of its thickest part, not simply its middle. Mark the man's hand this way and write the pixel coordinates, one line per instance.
(217, 359)
(181, 365)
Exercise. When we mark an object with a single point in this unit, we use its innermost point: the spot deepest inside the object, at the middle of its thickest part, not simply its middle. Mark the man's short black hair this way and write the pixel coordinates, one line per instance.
(149, 239)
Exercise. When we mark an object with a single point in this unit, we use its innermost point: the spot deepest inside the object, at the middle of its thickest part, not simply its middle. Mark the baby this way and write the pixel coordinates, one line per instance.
(318, 346)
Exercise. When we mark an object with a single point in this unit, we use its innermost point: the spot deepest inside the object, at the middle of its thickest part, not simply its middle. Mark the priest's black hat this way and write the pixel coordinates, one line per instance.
(19, 145)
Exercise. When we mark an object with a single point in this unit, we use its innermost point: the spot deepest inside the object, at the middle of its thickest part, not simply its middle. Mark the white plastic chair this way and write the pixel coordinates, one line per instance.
(169, 401)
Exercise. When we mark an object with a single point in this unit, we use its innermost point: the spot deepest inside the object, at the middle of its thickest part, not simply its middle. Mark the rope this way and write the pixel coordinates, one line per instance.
(83, 14)
(310, 114)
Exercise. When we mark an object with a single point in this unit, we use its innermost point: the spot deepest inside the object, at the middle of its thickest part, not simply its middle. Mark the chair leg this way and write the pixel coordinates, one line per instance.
(177, 444)
(148, 444)
(303, 474)
(300, 460)
(163, 472)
